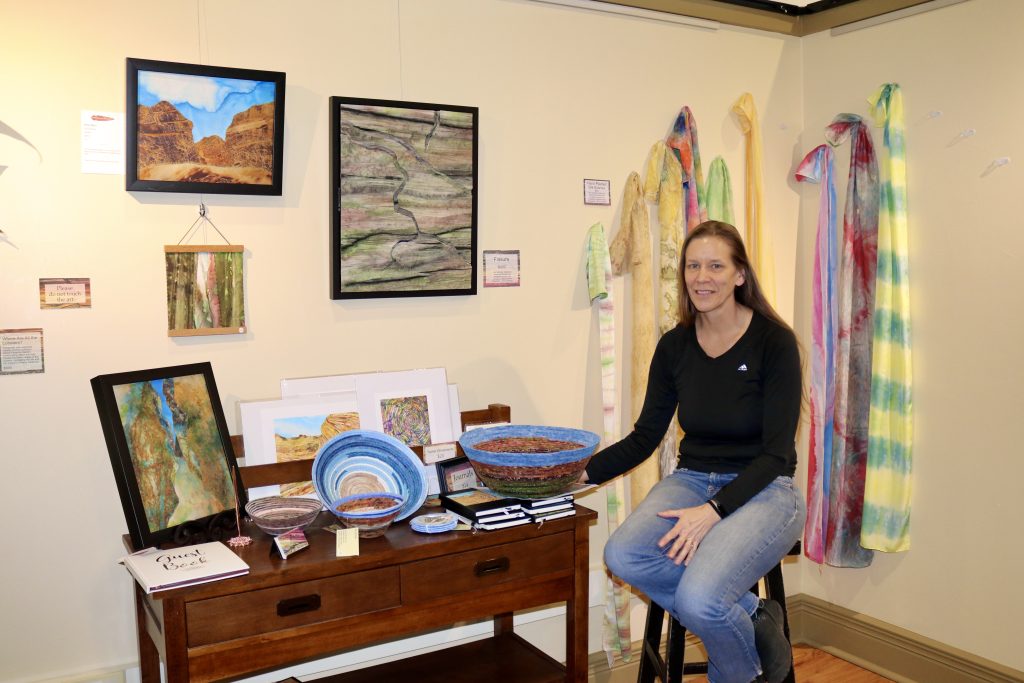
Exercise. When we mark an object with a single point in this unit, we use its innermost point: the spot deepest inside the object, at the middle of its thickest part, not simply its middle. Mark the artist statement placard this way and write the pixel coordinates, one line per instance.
(21, 351)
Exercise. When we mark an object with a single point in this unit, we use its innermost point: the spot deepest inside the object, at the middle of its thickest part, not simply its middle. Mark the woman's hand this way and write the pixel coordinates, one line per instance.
(686, 534)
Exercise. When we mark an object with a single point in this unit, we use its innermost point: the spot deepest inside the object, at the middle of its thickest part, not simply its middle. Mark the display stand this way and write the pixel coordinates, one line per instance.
(315, 605)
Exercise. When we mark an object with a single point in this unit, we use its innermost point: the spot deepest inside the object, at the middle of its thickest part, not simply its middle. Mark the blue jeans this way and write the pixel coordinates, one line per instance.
(711, 597)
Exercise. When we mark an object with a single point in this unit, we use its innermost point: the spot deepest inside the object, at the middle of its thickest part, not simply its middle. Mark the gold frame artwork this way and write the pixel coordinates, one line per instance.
(195, 308)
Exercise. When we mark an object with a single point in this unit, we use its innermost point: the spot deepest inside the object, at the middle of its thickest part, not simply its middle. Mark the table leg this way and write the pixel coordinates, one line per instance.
(502, 624)
(149, 658)
(576, 610)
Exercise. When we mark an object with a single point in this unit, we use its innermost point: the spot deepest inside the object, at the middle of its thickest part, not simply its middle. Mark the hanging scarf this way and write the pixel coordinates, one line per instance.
(816, 167)
(719, 192)
(756, 235)
(664, 184)
(891, 429)
(853, 354)
(615, 637)
(683, 141)
(631, 251)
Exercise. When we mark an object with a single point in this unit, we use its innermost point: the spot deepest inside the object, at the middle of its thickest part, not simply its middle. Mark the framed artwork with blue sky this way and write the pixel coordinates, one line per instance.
(204, 129)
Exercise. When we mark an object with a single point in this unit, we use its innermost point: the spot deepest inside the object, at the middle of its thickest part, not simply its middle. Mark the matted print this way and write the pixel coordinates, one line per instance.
(293, 429)
(393, 400)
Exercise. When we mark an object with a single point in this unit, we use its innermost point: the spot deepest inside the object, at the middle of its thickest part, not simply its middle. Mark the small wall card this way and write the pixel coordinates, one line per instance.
(64, 292)
(205, 289)
(102, 142)
(21, 351)
(597, 192)
(501, 268)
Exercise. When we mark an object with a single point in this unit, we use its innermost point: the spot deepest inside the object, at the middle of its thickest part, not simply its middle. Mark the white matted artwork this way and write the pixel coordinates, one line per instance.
(411, 406)
(294, 429)
(331, 384)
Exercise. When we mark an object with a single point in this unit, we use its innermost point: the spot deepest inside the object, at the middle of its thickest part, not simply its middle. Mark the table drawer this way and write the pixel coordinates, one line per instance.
(307, 602)
(478, 569)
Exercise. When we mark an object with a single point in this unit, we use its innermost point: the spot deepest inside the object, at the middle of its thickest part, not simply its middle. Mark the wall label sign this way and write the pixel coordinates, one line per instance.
(64, 292)
(597, 192)
(501, 268)
(21, 351)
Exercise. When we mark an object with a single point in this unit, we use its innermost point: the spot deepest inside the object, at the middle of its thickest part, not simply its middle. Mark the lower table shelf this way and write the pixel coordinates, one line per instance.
(506, 658)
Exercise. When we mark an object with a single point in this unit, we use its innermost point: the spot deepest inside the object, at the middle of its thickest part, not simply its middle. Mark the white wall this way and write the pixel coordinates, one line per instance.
(563, 94)
(957, 582)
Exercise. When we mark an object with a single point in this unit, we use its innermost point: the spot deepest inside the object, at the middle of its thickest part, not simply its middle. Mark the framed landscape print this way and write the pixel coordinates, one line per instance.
(209, 129)
(170, 452)
(293, 429)
(403, 198)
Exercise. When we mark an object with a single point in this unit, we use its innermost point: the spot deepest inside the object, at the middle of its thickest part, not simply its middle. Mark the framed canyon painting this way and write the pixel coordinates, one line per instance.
(171, 454)
(209, 129)
(403, 198)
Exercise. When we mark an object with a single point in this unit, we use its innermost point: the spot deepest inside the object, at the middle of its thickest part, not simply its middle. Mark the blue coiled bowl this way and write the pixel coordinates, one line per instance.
(529, 475)
(364, 461)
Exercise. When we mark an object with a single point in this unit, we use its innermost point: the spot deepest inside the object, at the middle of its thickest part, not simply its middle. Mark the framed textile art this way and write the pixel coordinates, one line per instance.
(208, 129)
(403, 198)
(171, 454)
(205, 289)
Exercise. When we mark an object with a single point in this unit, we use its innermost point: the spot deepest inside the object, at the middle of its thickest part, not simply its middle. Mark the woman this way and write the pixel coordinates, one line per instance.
(705, 534)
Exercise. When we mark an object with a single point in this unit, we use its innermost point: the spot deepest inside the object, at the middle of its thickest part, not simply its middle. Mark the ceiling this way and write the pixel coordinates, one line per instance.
(792, 17)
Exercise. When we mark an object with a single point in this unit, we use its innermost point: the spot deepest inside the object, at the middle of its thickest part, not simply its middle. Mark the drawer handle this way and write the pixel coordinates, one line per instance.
(491, 566)
(303, 603)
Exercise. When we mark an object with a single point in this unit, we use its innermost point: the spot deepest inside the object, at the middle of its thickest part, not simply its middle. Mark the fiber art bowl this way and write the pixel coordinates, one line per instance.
(277, 514)
(364, 461)
(370, 513)
(526, 461)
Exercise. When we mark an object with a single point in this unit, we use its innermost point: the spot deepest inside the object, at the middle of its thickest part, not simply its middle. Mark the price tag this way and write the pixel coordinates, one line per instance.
(436, 452)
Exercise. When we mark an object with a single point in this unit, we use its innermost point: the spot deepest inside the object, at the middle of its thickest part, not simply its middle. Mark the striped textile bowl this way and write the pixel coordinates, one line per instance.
(277, 514)
(527, 461)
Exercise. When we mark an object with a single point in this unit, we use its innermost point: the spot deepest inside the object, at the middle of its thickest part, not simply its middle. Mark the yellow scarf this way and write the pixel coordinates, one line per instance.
(755, 235)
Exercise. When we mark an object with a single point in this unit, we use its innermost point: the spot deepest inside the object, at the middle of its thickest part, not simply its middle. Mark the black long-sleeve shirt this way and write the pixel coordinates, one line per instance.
(739, 411)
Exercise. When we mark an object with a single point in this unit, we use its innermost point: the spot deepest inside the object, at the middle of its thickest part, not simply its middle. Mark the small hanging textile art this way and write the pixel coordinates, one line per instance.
(616, 640)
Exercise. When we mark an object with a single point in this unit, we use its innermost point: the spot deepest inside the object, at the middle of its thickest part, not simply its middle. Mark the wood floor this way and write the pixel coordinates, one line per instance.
(815, 666)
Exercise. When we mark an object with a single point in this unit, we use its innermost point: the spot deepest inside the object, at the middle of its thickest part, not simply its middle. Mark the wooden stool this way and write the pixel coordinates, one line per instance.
(672, 671)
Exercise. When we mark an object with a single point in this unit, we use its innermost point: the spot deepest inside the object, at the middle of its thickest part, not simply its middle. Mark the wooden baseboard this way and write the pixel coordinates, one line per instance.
(888, 650)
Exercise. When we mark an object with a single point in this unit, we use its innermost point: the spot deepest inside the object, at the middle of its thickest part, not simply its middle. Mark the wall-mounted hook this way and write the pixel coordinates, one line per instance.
(5, 238)
(964, 134)
(996, 163)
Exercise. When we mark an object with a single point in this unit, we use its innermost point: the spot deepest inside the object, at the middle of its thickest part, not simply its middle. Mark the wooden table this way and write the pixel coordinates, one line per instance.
(315, 605)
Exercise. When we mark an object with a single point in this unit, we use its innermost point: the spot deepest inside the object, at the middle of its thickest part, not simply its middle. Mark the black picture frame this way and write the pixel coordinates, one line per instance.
(403, 198)
(233, 164)
(448, 470)
(165, 427)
